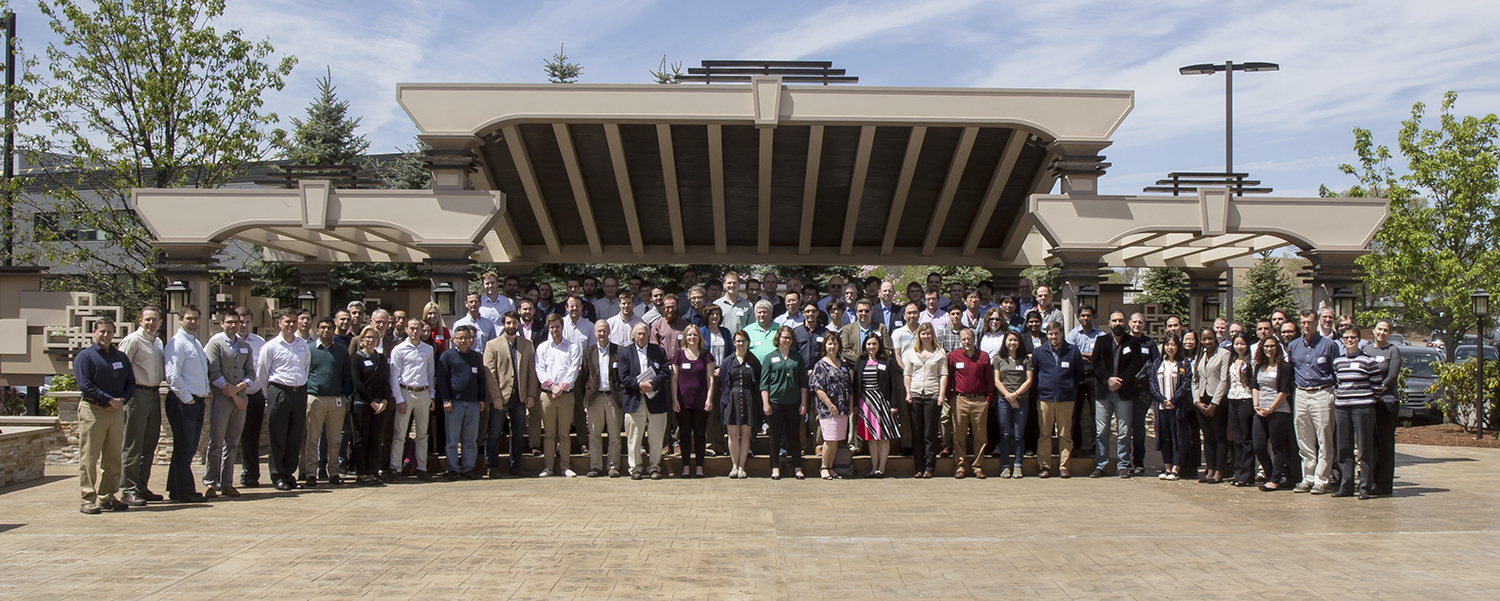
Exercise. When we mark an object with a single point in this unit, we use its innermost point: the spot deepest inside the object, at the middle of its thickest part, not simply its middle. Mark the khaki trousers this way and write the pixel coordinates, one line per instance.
(325, 418)
(603, 411)
(1060, 416)
(970, 418)
(101, 441)
(557, 418)
(418, 410)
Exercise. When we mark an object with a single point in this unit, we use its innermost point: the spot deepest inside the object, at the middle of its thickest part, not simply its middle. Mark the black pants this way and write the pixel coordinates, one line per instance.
(786, 433)
(286, 418)
(1216, 439)
(1241, 415)
(692, 429)
(1083, 417)
(385, 429)
(437, 431)
(187, 428)
(1386, 417)
(364, 453)
(1033, 425)
(1189, 441)
(509, 421)
(255, 418)
(1271, 448)
(1354, 439)
(926, 413)
(1138, 432)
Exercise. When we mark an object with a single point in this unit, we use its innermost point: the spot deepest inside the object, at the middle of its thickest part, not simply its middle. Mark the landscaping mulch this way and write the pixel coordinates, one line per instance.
(1446, 435)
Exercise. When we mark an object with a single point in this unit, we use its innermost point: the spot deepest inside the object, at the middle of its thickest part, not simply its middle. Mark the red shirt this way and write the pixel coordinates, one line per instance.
(969, 375)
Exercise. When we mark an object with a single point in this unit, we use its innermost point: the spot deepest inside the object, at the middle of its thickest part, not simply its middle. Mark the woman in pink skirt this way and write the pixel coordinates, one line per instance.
(830, 381)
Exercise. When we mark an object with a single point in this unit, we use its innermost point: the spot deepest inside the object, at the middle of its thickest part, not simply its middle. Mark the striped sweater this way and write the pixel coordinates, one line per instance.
(1356, 380)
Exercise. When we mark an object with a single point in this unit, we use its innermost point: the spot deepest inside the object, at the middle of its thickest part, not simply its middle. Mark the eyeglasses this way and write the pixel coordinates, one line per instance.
(862, 311)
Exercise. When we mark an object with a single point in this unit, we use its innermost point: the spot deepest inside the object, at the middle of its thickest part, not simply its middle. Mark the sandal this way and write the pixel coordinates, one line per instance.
(776, 475)
(827, 475)
(800, 476)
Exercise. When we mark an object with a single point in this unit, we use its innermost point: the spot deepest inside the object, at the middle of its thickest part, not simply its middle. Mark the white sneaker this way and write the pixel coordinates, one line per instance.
(545, 474)
(1171, 477)
(1163, 476)
(570, 474)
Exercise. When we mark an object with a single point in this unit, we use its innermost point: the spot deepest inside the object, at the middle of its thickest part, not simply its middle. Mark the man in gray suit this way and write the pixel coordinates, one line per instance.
(230, 372)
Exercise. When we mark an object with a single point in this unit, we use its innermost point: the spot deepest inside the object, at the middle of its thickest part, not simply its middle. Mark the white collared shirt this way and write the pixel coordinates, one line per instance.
(579, 332)
(495, 308)
(186, 366)
(557, 362)
(621, 329)
(283, 362)
(604, 367)
(411, 366)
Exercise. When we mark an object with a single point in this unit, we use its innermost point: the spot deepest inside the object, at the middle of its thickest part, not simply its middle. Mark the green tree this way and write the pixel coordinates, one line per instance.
(1267, 288)
(1164, 287)
(1442, 237)
(667, 73)
(1043, 275)
(327, 137)
(559, 69)
(138, 95)
(407, 172)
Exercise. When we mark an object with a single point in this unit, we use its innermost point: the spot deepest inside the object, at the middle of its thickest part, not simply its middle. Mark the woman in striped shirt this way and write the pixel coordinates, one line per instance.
(1354, 414)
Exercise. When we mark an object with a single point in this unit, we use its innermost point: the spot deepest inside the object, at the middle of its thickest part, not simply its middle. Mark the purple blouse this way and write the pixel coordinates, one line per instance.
(692, 378)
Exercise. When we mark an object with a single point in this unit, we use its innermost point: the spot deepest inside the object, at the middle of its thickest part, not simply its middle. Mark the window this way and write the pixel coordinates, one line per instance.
(66, 227)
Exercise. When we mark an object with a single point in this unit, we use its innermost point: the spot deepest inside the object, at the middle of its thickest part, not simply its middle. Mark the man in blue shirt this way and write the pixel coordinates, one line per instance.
(1312, 358)
(459, 378)
(105, 380)
(1059, 370)
(1082, 338)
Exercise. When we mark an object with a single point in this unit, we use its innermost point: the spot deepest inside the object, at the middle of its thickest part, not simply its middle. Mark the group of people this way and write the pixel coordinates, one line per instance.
(933, 376)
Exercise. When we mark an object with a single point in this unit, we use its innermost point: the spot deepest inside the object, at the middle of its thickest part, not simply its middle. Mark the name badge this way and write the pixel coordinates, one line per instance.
(117, 365)
(687, 366)
(614, 365)
(338, 401)
(1380, 359)
(1125, 351)
(439, 337)
(899, 323)
(755, 343)
(1020, 368)
(819, 339)
(960, 365)
(880, 366)
(679, 336)
(369, 363)
(473, 370)
(739, 312)
(776, 359)
(1322, 359)
(244, 351)
(1064, 364)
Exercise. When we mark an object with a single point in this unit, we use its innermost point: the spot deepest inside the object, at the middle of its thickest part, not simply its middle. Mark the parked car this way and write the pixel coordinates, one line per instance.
(1422, 362)
(1469, 351)
(1399, 340)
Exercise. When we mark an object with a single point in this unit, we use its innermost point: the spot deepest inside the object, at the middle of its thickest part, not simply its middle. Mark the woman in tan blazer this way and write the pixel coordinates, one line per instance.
(1210, 385)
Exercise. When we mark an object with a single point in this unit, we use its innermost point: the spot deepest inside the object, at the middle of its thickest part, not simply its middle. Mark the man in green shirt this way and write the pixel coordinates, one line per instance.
(329, 385)
(762, 332)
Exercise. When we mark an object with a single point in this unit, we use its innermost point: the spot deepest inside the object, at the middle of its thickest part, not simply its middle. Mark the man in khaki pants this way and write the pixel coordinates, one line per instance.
(970, 378)
(600, 384)
(143, 410)
(105, 379)
(557, 361)
(329, 385)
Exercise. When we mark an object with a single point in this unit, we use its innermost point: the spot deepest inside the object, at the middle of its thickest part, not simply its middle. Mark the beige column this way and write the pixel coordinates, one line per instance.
(1079, 267)
(1205, 283)
(315, 277)
(190, 263)
(1330, 271)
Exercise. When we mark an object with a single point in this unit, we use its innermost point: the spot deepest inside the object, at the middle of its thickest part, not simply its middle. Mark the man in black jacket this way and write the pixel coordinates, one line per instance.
(1120, 362)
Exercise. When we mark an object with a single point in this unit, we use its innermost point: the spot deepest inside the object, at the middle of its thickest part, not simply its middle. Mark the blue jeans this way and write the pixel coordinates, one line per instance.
(187, 427)
(510, 420)
(462, 427)
(1111, 405)
(1012, 444)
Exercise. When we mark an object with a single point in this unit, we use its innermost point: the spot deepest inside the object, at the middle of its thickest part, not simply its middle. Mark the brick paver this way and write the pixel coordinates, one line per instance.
(758, 539)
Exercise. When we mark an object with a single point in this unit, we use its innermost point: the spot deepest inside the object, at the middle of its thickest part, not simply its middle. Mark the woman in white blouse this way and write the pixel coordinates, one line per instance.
(926, 365)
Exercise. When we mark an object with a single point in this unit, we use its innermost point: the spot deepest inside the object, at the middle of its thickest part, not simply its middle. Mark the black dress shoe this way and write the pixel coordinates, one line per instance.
(150, 496)
(1341, 494)
(424, 476)
(283, 485)
(323, 473)
(132, 499)
(1364, 496)
(310, 483)
(470, 475)
(495, 473)
(188, 498)
(335, 480)
(116, 505)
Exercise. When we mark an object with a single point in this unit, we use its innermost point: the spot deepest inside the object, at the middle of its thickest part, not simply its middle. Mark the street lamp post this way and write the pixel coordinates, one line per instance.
(1229, 67)
(8, 22)
(1481, 301)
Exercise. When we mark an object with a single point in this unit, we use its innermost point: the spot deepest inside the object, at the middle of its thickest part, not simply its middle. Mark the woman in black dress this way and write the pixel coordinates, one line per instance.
(740, 375)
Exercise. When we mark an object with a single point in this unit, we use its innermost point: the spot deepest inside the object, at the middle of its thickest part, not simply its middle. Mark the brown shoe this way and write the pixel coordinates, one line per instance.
(958, 473)
(1062, 472)
(979, 473)
(132, 500)
(230, 491)
(210, 493)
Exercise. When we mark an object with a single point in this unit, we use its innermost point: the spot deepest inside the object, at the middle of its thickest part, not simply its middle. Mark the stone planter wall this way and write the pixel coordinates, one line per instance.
(62, 448)
(23, 447)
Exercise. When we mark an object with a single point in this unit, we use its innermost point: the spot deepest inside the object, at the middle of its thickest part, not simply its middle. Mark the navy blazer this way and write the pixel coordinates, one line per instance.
(628, 368)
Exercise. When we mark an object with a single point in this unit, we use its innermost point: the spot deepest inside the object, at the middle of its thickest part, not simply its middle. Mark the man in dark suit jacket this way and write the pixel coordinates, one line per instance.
(644, 403)
(599, 380)
(1120, 365)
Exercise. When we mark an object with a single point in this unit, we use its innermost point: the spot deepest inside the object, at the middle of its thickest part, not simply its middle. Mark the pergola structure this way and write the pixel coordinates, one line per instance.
(762, 173)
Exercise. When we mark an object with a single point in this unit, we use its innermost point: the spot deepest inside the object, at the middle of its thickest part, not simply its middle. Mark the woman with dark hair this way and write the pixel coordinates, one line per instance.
(1210, 385)
(875, 378)
(830, 382)
(1189, 442)
(1014, 377)
(1239, 405)
(372, 395)
(1171, 385)
(926, 364)
(1274, 384)
(740, 374)
(783, 393)
(1388, 366)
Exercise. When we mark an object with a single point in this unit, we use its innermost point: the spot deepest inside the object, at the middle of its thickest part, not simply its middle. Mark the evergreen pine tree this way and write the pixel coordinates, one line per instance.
(559, 70)
(327, 137)
(408, 172)
(1267, 289)
(1163, 286)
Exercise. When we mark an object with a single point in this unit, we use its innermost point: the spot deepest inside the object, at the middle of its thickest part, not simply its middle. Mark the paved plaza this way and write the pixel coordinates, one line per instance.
(717, 538)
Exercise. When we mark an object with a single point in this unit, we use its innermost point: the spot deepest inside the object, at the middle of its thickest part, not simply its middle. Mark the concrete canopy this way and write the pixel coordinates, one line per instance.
(762, 173)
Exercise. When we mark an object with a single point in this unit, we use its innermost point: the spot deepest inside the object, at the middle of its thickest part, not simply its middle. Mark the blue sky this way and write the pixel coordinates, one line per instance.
(1344, 63)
